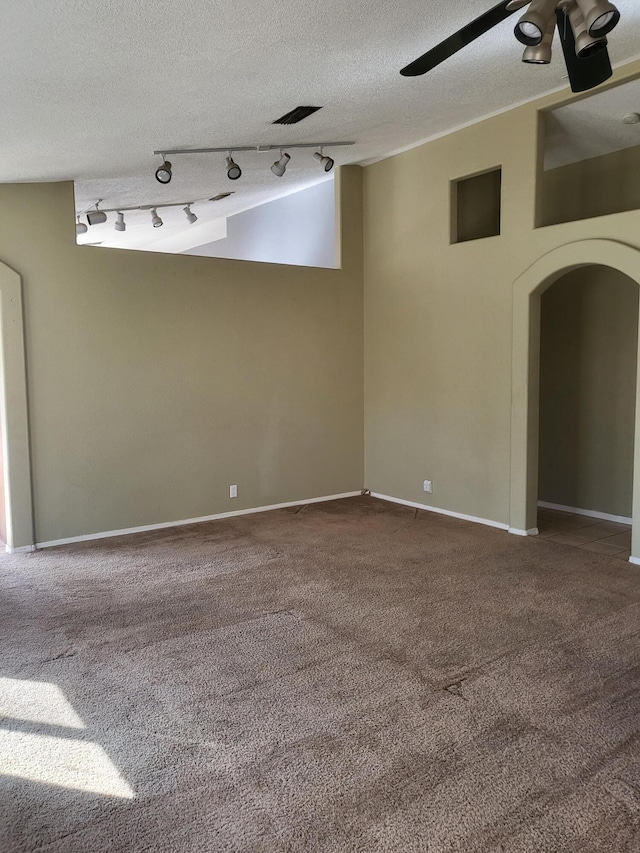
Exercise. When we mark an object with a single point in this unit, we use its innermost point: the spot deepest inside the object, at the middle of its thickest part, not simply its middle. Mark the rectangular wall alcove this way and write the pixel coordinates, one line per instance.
(476, 206)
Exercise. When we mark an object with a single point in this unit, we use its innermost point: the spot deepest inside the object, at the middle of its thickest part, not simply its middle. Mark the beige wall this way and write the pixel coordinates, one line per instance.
(588, 353)
(595, 187)
(156, 381)
(438, 317)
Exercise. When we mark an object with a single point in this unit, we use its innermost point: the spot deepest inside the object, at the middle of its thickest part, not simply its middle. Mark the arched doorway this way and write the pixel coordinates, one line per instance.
(527, 292)
(14, 415)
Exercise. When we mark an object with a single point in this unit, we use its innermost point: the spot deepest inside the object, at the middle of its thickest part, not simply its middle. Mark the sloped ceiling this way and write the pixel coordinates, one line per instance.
(593, 126)
(91, 89)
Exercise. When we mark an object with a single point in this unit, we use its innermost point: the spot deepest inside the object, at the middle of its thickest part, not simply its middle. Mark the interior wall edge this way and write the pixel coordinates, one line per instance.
(589, 513)
(487, 522)
(147, 528)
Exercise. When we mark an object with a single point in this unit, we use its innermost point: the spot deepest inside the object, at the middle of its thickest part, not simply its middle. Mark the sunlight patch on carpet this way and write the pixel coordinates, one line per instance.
(73, 764)
(37, 702)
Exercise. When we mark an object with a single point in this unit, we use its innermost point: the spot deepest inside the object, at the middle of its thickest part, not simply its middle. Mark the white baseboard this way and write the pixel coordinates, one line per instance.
(24, 549)
(486, 521)
(146, 528)
(634, 561)
(590, 513)
(515, 531)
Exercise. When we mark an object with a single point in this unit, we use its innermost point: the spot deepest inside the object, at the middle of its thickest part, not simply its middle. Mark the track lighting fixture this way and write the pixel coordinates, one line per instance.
(280, 166)
(533, 25)
(600, 16)
(540, 54)
(233, 170)
(156, 221)
(326, 162)
(163, 173)
(96, 217)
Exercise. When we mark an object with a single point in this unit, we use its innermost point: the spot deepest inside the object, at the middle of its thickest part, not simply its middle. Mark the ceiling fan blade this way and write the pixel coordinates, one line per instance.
(461, 39)
(585, 72)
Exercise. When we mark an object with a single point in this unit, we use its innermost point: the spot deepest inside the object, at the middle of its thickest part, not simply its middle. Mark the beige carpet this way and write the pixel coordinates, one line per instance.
(349, 677)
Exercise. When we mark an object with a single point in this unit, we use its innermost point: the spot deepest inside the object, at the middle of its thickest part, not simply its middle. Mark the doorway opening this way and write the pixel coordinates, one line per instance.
(18, 529)
(587, 404)
(528, 289)
(3, 500)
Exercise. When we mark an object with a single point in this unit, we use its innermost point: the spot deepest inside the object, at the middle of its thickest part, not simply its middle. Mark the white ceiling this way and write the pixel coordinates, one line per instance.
(592, 127)
(90, 90)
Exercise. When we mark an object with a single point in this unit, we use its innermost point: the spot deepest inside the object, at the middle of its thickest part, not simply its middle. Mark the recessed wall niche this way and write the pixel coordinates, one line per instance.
(590, 157)
(476, 206)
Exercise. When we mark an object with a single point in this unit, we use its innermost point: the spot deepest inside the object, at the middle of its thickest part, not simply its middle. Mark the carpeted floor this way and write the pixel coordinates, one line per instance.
(352, 676)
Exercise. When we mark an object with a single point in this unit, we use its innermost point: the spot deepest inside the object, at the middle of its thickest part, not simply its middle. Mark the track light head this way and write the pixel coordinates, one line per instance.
(532, 26)
(155, 219)
(600, 16)
(96, 217)
(120, 223)
(163, 173)
(326, 162)
(586, 45)
(81, 228)
(190, 214)
(233, 170)
(280, 166)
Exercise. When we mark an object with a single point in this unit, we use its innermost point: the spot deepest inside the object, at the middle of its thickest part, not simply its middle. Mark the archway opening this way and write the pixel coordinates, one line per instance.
(527, 291)
(587, 405)
(14, 418)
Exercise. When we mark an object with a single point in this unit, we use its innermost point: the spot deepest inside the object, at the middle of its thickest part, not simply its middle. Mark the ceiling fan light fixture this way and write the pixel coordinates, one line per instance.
(537, 54)
(532, 26)
(528, 33)
(586, 45)
(600, 16)
(540, 54)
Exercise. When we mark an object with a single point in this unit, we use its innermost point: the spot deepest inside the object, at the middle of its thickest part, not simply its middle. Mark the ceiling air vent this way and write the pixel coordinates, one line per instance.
(296, 115)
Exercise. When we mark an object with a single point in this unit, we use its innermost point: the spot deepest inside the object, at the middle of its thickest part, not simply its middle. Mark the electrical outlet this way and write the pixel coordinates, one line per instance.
(428, 486)
(233, 491)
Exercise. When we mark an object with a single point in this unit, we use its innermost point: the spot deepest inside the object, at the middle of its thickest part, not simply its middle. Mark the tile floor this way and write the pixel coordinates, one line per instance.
(589, 534)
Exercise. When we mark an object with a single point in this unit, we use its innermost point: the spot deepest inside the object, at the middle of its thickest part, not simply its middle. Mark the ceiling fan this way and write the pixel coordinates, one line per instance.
(582, 25)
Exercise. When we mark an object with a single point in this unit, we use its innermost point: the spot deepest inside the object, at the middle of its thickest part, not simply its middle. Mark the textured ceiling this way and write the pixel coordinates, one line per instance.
(90, 90)
(592, 127)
